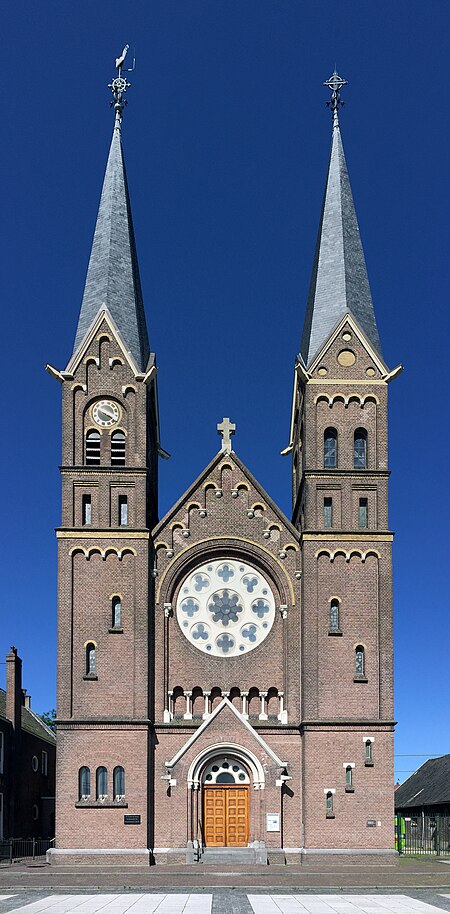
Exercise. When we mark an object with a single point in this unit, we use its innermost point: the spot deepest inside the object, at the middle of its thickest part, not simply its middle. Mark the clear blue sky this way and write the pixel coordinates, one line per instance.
(227, 140)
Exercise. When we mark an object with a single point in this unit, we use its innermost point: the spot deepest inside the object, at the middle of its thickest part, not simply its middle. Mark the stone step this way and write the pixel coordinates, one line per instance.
(232, 855)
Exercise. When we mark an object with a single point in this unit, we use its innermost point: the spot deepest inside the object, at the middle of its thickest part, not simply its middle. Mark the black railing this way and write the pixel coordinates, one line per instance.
(21, 848)
(423, 834)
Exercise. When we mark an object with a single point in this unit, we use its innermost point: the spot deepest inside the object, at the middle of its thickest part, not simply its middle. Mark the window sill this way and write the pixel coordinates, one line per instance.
(368, 764)
(334, 631)
(360, 679)
(90, 676)
(115, 630)
(349, 789)
(98, 804)
(330, 815)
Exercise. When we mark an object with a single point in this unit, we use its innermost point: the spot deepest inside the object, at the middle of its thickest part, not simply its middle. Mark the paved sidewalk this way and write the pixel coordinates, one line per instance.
(224, 903)
(410, 873)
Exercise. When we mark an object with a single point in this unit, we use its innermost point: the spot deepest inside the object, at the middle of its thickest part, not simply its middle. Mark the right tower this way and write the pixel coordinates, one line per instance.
(339, 447)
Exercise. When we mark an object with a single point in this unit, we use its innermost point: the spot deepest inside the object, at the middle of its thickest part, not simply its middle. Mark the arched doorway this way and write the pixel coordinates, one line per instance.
(226, 803)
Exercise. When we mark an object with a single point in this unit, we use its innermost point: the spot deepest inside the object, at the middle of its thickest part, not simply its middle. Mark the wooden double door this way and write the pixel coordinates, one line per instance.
(226, 816)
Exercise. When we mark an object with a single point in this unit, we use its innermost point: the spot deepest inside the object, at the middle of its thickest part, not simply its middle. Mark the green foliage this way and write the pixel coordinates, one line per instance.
(49, 718)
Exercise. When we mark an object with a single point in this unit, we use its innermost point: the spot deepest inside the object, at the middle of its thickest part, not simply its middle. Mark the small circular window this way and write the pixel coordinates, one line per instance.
(35, 763)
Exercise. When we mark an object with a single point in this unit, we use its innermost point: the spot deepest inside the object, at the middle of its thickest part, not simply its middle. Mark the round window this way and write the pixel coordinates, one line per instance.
(225, 608)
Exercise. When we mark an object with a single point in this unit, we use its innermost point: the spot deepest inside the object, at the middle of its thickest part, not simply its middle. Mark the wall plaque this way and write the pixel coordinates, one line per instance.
(272, 821)
(131, 820)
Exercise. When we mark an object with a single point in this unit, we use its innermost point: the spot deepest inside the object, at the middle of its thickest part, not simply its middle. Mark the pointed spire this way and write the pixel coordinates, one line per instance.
(339, 281)
(113, 280)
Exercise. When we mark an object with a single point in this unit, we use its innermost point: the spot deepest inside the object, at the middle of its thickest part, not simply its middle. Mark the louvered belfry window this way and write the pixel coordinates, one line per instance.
(93, 448)
(118, 449)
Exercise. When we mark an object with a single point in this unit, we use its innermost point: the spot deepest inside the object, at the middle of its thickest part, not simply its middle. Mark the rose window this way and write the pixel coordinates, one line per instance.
(225, 608)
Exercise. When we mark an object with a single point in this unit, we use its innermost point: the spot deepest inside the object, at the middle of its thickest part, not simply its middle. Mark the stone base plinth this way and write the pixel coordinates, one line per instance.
(76, 856)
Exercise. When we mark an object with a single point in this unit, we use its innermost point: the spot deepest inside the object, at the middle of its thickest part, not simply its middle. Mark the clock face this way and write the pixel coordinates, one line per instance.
(225, 608)
(105, 413)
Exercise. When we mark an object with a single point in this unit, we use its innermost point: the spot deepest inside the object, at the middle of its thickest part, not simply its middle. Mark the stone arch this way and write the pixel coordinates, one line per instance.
(242, 754)
(254, 703)
(237, 549)
(272, 703)
(178, 703)
(198, 704)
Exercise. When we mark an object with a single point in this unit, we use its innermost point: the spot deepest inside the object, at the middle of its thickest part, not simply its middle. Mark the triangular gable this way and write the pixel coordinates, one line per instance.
(225, 703)
(348, 318)
(102, 315)
(230, 455)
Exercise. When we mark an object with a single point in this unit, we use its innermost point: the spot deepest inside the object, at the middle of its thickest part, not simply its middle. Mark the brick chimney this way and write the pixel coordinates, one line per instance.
(26, 699)
(14, 698)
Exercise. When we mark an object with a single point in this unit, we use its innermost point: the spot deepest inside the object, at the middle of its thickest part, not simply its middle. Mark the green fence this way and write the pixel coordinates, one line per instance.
(422, 834)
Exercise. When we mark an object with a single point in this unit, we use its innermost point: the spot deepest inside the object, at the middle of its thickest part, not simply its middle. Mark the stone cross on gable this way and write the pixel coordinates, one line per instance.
(226, 429)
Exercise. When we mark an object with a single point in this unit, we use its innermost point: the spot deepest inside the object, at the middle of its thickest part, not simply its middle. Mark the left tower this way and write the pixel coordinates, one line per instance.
(109, 505)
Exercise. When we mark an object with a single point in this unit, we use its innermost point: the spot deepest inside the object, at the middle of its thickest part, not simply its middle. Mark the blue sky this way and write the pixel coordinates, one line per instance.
(227, 139)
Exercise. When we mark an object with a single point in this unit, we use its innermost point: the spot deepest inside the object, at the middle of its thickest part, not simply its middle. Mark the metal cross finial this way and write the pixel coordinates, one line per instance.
(226, 429)
(118, 86)
(335, 83)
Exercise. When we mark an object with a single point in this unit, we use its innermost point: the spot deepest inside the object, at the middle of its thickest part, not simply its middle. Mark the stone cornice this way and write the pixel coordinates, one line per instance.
(365, 536)
(66, 533)
(104, 471)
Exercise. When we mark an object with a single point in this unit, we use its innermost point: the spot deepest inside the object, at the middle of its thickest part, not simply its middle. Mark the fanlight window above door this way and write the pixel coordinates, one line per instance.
(225, 771)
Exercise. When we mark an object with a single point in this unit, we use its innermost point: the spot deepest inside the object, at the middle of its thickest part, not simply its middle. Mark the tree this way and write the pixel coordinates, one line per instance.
(49, 718)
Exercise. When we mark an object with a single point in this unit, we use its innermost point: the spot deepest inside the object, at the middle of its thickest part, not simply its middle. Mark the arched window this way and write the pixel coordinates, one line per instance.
(334, 615)
(330, 448)
(101, 783)
(93, 448)
(368, 757)
(116, 605)
(360, 662)
(329, 804)
(119, 782)
(348, 777)
(360, 449)
(91, 659)
(118, 449)
(84, 783)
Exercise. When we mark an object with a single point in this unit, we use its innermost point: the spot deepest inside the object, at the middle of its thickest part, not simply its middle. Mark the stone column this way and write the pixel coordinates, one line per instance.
(206, 712)
(188, 713)
(244, 696)
(168, 712)
(282, 714)
(263, 715)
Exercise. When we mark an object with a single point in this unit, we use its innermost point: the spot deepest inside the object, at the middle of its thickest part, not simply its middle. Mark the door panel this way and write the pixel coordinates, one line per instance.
(226, 816)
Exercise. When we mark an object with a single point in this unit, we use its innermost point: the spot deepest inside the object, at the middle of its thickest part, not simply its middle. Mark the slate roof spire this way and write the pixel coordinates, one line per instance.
(113, 280)
(339, 281)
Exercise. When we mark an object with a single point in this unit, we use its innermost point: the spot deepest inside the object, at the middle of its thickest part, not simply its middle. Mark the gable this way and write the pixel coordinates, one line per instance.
(348, 353)
(230, 721)
(227, 475)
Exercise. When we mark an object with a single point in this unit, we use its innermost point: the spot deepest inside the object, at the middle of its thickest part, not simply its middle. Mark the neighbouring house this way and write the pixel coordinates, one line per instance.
(27, 762)
(427, 791)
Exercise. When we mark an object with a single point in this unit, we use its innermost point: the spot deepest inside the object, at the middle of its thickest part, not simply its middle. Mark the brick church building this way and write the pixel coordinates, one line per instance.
(225, 673)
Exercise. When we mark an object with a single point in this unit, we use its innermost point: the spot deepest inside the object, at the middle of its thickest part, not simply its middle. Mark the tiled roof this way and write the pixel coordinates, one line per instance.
(339, 281)
(113, 274)
(429, 785)
(31, 722)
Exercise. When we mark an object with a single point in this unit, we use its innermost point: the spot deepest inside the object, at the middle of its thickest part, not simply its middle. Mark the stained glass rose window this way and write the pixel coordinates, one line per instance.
(225, 608)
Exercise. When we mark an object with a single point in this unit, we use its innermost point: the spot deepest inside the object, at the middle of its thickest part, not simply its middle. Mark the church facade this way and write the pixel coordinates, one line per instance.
(225, 674)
